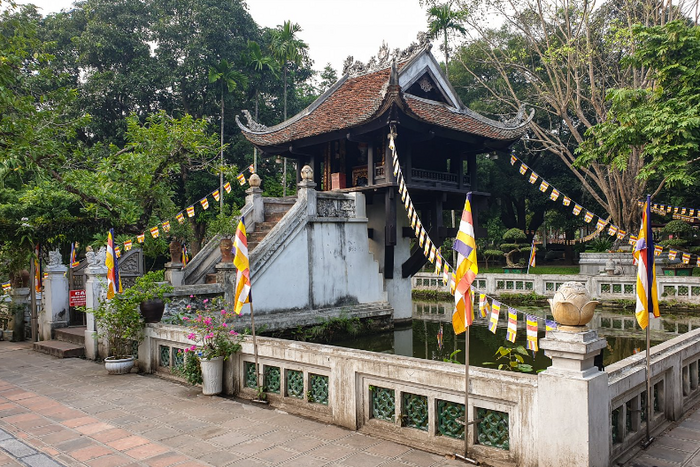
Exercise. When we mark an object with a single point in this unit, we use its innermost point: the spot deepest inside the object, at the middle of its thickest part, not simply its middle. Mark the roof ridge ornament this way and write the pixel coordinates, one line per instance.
(252, 124)
(384, 57)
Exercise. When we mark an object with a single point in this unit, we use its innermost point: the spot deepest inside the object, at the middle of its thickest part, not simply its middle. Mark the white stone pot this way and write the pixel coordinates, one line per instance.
(119, 366)
(212, 375)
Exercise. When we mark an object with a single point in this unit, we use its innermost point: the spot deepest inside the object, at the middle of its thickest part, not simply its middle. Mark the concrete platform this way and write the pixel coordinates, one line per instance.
(75, 335)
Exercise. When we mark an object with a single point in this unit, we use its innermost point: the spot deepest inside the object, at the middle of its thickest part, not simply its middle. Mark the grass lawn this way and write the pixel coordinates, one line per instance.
(535, 270)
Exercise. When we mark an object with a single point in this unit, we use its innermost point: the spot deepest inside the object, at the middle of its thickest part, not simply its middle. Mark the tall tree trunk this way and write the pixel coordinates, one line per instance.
(221, 158)
(284, 161)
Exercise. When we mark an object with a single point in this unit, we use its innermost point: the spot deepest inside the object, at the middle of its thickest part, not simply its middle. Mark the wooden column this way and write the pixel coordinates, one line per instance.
(389, 232)
(388, 165)
(370, 164)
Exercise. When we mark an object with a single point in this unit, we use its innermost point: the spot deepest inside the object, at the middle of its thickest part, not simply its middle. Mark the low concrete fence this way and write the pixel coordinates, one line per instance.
(684, 289)
(419, 402)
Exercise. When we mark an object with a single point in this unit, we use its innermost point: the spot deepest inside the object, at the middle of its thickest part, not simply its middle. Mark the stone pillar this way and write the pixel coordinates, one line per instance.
(573, 403)
(226, 276)
(94, 291)
(174, 273)
(19, 322)
(307, 190)
(254, 197)
(55, 297)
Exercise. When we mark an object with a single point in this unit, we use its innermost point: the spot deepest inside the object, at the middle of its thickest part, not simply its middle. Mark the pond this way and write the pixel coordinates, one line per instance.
(419, 338)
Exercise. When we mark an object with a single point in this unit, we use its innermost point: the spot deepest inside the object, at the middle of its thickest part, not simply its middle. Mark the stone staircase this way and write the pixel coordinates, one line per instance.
(275, 209)
(69, 343)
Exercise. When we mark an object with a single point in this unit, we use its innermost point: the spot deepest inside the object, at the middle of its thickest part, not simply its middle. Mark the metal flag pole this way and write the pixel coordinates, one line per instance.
(255, 351)
(649, 439)
(650, 307)
(466, 457)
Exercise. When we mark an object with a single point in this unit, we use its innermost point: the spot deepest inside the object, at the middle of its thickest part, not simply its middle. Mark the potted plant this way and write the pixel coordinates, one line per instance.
(224, 225)
(514, 245)
(150, 289)
(214, 341)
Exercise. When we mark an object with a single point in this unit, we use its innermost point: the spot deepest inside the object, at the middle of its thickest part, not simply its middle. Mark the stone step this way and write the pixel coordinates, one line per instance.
(256, 236)
(74, 335)
(274, 217)
(60, 349)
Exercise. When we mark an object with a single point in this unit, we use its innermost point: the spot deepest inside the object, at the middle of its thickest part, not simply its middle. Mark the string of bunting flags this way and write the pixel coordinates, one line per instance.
(180, 216)
(489, 307)
(156, 230)
(601, 223)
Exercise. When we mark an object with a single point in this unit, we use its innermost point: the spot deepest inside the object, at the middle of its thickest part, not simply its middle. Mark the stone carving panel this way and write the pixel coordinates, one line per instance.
(335, 208)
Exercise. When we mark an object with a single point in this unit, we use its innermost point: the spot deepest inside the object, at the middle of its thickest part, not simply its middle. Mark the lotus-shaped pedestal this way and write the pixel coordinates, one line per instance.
(572, 306)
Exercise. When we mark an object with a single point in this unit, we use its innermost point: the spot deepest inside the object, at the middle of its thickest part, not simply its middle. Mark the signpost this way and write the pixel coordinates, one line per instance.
(76, 298)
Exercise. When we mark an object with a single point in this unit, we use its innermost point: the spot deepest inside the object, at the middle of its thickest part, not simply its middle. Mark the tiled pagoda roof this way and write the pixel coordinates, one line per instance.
(357, 100)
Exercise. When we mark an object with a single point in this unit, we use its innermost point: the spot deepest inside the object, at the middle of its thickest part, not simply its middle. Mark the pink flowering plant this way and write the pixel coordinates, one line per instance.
(211, 330)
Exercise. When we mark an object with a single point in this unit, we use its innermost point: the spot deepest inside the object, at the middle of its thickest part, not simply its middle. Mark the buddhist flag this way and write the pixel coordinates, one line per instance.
(166, 226)
(419, 227)
(118, 252)
(683, 211)
(550, 325)
(438, 264)
(216, 194)
(431, 258)
(73, 260)
(672, 254)
(512, 324)
(576, 210)
(484, 308)
(600, 225)
(554, 195)
(446, 274)
(686, 258)
(523, 169)
(668, 208)
(155, 233)
(141, 238)
(692, 213)
(531, 332)
(466, 269)
(698, 262)
(180, 218)
(227, 187)
(633, 240)
(513, 159)
(612, 230)
(240, 244)
(544, 186)
(533, 252)
(6, 287)
(127, 245)
(621, 234)
(185, 256)
(204, 202)
(647, 297)
(251, 168)
(396, 165)
(37, 269)
(493, 320)
(428, 245)
(190, 211)
(440, 336)
(533, 177)
(421, 240)
(566, 201)
(413, 219)
(241, 179)
(658, 249)
(675, 210)
(114, 280)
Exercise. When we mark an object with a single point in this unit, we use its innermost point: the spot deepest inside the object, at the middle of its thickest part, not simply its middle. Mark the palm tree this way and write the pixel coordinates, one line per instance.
(287, 49)
(258, 62)
(229, 79)
(442, 19)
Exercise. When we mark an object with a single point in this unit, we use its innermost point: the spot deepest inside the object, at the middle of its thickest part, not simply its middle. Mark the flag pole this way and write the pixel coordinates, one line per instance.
(255, 353)
(466, 392)
(650, 308)
(649, 439)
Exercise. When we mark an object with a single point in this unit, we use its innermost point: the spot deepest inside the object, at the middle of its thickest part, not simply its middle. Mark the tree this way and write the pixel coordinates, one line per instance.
(288, 49)
(262, 65)
(441, 20)
(561, 58)
(328, 78)
(660, 121)
(229, 79)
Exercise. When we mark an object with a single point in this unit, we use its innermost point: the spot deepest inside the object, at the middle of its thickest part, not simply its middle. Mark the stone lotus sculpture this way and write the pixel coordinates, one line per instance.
(572, 305)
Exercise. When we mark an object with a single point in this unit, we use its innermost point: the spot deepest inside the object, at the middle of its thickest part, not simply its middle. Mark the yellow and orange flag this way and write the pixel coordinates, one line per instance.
(466, 270)
(240, 244)
(647, 296)
(114, 280)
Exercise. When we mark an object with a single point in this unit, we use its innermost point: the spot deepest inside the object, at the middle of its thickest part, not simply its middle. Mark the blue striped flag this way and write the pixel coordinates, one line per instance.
(647, 297)
(466, 270)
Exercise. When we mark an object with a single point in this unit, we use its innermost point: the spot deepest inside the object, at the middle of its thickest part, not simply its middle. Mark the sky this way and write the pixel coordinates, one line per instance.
(333, 29)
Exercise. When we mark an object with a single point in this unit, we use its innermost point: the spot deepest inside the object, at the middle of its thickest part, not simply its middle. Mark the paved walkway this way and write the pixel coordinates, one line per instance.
(69, 412)
(678, 446)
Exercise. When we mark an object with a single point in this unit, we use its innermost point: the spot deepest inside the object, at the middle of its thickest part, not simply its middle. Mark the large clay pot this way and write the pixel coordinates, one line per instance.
(119, 366)
(212, 375)
(226, 247)
(572, 306)
(152, 310)
(175, 251)
(20, 279)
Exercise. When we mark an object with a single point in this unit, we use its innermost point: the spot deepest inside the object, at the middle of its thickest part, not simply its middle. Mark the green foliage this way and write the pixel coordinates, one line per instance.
(452, 358)
(677, 228)
(329, 328)
(514, 235)
(225, 222)
(211, 331)
(600, 244)
(191, 370)
(512, 359)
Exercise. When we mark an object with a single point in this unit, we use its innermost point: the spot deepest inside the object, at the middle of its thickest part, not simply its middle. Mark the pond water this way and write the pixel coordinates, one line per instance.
(419, 338)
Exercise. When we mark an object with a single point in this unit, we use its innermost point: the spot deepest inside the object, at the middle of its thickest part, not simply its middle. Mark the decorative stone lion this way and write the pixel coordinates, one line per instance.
(572, 306)
(54, 258)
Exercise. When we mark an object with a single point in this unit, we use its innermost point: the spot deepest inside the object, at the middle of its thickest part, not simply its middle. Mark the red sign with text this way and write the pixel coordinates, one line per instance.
(76, 298)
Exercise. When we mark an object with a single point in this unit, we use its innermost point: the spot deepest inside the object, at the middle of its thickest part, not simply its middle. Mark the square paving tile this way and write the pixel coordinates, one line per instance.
(90, 453)
(219, 458)
(420, 458)
(166, 459)
(362, 460)
(276, 455)
(112, 460)
(659, 451)
(331, 452)
(231, 439)
(387, 449)
(252, 447)
(303, 444)
(147, 450)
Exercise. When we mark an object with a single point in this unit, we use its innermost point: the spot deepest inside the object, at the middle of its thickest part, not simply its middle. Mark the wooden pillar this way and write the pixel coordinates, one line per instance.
(388, 165)
(370, 164)
(389, 232)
